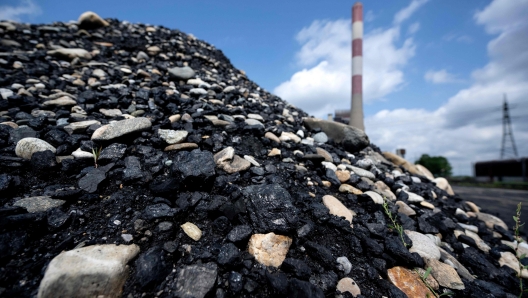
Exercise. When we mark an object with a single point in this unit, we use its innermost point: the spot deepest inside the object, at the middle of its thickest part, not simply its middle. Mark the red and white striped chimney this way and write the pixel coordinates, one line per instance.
(356, 111)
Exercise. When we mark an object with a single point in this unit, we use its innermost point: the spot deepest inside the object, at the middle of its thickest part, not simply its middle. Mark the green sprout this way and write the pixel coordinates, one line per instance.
(95, 153)
(395, 225)
(518, 226)
(424, 279)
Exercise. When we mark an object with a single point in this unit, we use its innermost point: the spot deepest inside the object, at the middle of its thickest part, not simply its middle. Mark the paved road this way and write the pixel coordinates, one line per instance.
(495, 200)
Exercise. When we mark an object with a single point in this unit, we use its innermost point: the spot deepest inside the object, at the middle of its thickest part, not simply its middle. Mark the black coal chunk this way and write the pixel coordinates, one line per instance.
(91, 180)
(159, 210)
(132, 171)
(270, 208)
(43, 161)
(299, 288)
(151, 268)
(239, 233)
(195, 168)
(297, 267)
(228, 255)
(321, 254)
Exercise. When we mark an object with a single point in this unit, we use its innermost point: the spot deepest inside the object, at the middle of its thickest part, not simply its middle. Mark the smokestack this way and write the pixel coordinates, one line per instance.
(356, 110)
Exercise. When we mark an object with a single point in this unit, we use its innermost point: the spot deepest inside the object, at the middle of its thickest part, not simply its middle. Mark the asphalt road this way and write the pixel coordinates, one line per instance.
(496, 200)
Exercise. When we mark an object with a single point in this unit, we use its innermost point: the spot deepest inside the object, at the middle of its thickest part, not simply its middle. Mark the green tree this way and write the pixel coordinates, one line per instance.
(438, 165)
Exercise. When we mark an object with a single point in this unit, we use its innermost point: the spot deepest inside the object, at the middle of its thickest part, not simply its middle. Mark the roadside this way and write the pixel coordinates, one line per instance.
(497, 201)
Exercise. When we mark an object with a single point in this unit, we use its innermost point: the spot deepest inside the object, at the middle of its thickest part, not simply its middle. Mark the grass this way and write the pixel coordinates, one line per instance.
(96, 153)
(517, 228)
(395, 225)
(424, 279)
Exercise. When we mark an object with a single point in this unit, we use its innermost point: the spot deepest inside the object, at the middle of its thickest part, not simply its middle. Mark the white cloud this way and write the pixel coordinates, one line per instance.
(440, 77)
(468, 128)
(406, 13)
(324, 83)
(414, 28)
(369, 17)
(458, 37)
(14, 13)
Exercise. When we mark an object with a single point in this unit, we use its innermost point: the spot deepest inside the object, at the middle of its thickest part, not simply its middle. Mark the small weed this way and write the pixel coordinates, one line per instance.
(424, 279)
(395, 225)
(96, 152)
(518, 226)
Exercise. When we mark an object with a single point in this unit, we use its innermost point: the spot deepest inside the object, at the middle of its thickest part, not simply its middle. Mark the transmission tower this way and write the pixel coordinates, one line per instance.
(507, 133)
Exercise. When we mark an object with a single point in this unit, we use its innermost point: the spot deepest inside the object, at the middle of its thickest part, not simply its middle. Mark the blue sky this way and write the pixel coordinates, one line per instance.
(434, 71)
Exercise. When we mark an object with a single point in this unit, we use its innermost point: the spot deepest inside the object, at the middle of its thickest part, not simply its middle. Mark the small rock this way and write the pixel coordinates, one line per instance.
(172, 136)
(272, 137)
(337, 208)
(343, 176)
(444, 185)
(320, 137)
(91, 271)
(111, 112)
(427, 205)
(26, 147)
(91, 20)
(192, 231)
(349, 189)
(347, 284)
(181, 73)
(423, 245)
(120, 128)
(269, 249)
(38, 204)
(445, 275)
(375, 197)
(195, 280)
(274, 152)
(405, 209)
(344, 265)
(408, 282)
(182, 146)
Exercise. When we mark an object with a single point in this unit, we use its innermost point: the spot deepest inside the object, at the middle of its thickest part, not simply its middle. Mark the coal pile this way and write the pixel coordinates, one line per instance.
(136, 161)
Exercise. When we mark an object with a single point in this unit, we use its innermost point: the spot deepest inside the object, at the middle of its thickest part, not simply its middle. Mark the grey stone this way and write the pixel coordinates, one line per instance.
(93, 271)
(254, 122)
(181, 73)
(351, 138)
(27, 146)
(344, 265)
(198, 91)
(172, 136)
(79, 126)
(361, 172)
(195, 281)
(38, 204)
(70, 54)
(120, 128)
(320, 137)
(423, 245)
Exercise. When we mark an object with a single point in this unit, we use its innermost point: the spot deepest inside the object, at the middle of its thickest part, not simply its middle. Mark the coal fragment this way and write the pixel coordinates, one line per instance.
(151, 268)
(270, 208)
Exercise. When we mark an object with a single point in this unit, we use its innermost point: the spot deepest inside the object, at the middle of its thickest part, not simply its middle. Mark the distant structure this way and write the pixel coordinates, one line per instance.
(401, 152)
(356, 111)
(507, 132)
(505, 170)
(342, 116)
